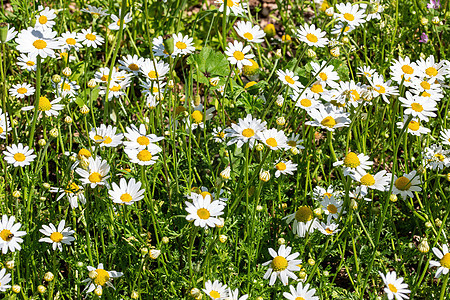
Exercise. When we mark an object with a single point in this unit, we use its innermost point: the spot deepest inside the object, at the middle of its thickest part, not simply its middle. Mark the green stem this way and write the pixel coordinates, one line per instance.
(36, 104)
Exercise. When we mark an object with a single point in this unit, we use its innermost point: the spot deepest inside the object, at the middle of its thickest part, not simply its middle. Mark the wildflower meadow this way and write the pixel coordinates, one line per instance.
(224, 149)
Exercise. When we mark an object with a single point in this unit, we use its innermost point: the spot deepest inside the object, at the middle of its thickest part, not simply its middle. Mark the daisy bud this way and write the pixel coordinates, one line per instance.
(84, 109)
(46, 185)
(335, 52)
(422, 55)
(144, 251)
(98, 291)
(221, 224)
(197, 100)
(3, 32)
(80, 264)
(223, 238)
(67, 71)
(15, 122)
(283, 206)
(134, 295)
(93, 274)
(214, 81)
(428, 224)
(16, 194)
(264, 176)
(251, 69)
(73, 158)
(54, 132)
(295, 151)
(318, 212)
(386, 134)
(393, 198)
(42, 142)
(302, 275)
(92, 83)
(345, 40)
(354, 204)
(48, 276)
(281, 121)
(259, 147)
(435, 20)
(281, 241)
(56, 78)
(42, 289)
(311, 53)
(270, 30)
(16, 288)
(448, 176)
(226, 174)
(165, 240)
(438, 222)
(278, 54)
(423, 247)
(326, 273)
(259, 298)
(42, 198)
(259, 208)
(424, 21)
(68, 120)
(286, 38)
(311, 262)
(10, 264)
(154, 253)
(329, 11)
(170, 84)
(280, 101)
(421, 170)
(195, 292)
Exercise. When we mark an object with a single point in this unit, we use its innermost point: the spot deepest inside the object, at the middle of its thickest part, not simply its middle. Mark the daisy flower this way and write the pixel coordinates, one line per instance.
(366, 71)
(90, 38)
(304, 221)
(4, 280)
(414, 127)
(245, 131)
(394, 286)
(347, 92)
(379, 181)
(312, 36)
(198, 116)
(98, 277)
(282, 266)
(143, 157)
(21, 90)
(95, 11)
(301, 292)
(350, 14)
(305, 101)
(237, 7)
(285, 168)
(131, 63)
(158, 47)
(126, 192)
(373, 10)
(68, 88)
(404, 70)
(328, 118)
(10, 34)
(49, 108)
(218, 134)
(73, 192)
(235, 295)
(327, 74)
(216, 290)
(117, 89)
(57, 236)
(444, 261)
(381, 88)
(251, 33)
(316, 90)
(445, 136)
(70, 40)
(27, 62)
(102, 75)
(37, 42)
(96, 173)
(106, 136)
(328, 229)
(294, 141)
(44, 19)
(115, 25)
(436, 158)
(341, 28)
(320, 194)
(19, 155)
(406, 185)
(237, 54)
(418, 107)
(354, 163)
(203, 191)
(154, 70)
(430, 69)
(138, 137)
(10, 234)
(183, 45)
(4, 128)
(273, 138)
(332, 207)
(289, 78)
(423, 85)
(203, 211)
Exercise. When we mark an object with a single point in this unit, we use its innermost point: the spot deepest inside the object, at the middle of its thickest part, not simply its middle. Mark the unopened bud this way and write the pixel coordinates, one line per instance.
(214, 81)
(281, 121)
(68, 120)
(311, 262)
(424, 21)
(144, 251)
(311, 53)
(393, 198)
(435, 20)
(281, 241)
(54, 132)
(259, 208)
(67, 71)
(134, 295)
(278, 54)
(294, 151)
(42, 142)
(92, 83)
(195, 292)
(264, 176)
(221, 223)
(223, 238)
(42, 289)
(438, 222)
(48, 276)
(226, 173)
(154, 253)
(335, 52)
(270, 30)
(46, 185)
(280, 101)
(10, 264)
(84, 109)
(329, 11)
(56, 78)
(259, 147)
(16, 194)
(165, 240)
(423, 246)
(16, 288)
(428, 224)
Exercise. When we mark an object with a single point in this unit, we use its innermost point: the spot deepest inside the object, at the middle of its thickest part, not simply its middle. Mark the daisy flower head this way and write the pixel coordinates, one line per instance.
(407, 184)
(143, 157)
(218, 134)
(204, 212)
(317, 90)
(126, 192)
(115, 25)
(21, 90)
(42, 42)
(350, 14)
(429, 68)
(19, 155)
(216, 290)
(237, 7)
(272, 138)
(436, 158)
(418, 107)
(4, 280)
(49, 108)
(305, 100)
(343, 28)
(423, 85)
(304, 221)
(131, 63)
(57, 236)
(183, 45)
(234, 295)
(366, 71)
(320, 194)
(103, 74)
(285, 168)
(328, 229)
(312, 36)
(245, 131)
(105, 136)
(139, 138)
(445, 137)
(238, 54)
(403, 70)
(294, 141)
(90, 38)
(73, 192)
(444, 260)
(328, 118)
(374, 10)
(27, 62)
(45, 17)
(394, 286)
(95, 11)
(247, 31)
(154, 70)
(70, 40)
(289, 78)
(96, 173)
(10, 236)
(332, 207)
(68, 88)
(4, 128)
(301, 292)
(354, 163)
(199, 116)
(379, 181)
(203, 191)
(282, 266)
(99, 277)
(348, 92)
(414, 127)
(117, 89)
(326, 74)
(10, 34)
(382, 88)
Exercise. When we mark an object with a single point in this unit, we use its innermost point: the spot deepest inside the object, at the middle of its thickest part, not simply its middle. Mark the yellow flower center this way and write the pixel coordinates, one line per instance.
(403, 183)
(203, 213)
(332, 209)
(317, 88)
(71, 188)
(66, 86)
(304, 214)
(84, 152)
(407, 69)
(352, 160)
(39, 44)
(248, 36)
(133, 67)
(153, 74)
(355, 95)
(107, 140)
(349, 17)
(98, 139)
(425, 94)
(439, 156)
(6, 235)
(248, 132)
(312, 38)
(43, 20)
(30, 63)
(181, 45)
(238, 55)
(323, 76)
(380, 89)
(143, 140)
(417, 107)
(71, 41)
(367, 180)
(271, 142)
(197, 116)
(1, 130)
(56, 237)
(425, 85)
(91, 37)
(144, 155)
(392, 288)
(214, 294)
(116, 88)
(22, 90)
(347, 28)
(413, 125)
(279, 263)
(328, 122)
(431, 71)
(102, 277)
(445, 260)
(95, 177)
(289, 79)
(104, 78)
(126, 197)
(305, 102)
(44, 104)
(205, 193)
(221, 134)
(329, 231)
(281, 166)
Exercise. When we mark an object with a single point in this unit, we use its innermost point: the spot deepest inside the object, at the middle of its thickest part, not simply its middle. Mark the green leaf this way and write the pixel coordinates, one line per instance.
(209, 64)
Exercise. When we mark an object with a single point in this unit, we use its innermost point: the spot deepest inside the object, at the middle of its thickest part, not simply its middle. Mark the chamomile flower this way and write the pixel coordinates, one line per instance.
(203, 191)
(326, 74)
(350, 14)
(394, 286)
(103, 74)
(57, 236)
(247, 31)
(19, 155)
(328, 118)
(320, 194)
(68, 88)
(418, 107)
(237, 7)
(304, 221)
(204, 212)
(37, 42)
(354, 163)
(117, 89)
(312, 36)
(414, 127)
(238, 54)
(406, 185)
(305, 101)
(4, 280)
(444, 261)
(154, 70)
(445, 136)
(341, 28)
(282, 266)
(199, 116)
(403, 70)
(328, 229)
(215, 290)
(379, 181)
(27, 62)
(245, 131)
(96, 173)
(301, 292)
(436, 158)
(366, 71)
(285, 168)
(143, 157)
(131, 63)
(70, 40)
(115, 25)
(234, 295)
(332, 207)
(374, 9)
(139, 138)
(126, 192)
(21, 90)
(73, 192)
(158, 47)
(95, 11)
(382, 88)
(99, 277)
(218, 134)
(90, 38)
(45, 17)
(4, 128)
(106, 136)
(316, 90)
(49, 108)
(289, 78)
(10, 236)
(429, 68)
(183, 45)
(273, 138)
(294, 141)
